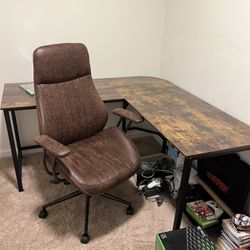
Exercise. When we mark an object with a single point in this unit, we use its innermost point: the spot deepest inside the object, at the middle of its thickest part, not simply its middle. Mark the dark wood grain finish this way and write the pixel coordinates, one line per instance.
(15, 98)
(194, 127)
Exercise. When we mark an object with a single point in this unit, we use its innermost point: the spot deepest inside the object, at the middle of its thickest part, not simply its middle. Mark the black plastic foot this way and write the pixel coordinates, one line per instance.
(85, 238)
(65, 182)
(43, 213)
(55, 181)
(130, 210)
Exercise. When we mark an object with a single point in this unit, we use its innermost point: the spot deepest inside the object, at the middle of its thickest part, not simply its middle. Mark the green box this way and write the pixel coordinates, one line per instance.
(172, 240)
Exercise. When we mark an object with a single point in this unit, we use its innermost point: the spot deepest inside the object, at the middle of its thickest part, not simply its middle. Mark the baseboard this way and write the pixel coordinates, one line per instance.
(7, 153)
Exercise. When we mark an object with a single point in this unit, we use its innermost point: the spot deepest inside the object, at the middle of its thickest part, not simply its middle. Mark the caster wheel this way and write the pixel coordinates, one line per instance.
(43, 213)
(65, 182)
(85, 238)
(130, 210)
(55, 181)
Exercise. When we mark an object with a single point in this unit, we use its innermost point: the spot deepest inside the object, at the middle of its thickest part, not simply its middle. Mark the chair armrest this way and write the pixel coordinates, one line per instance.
(54, 147)
(128, 115)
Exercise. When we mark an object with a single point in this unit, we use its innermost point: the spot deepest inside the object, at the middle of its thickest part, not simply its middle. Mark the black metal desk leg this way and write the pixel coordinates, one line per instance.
(182, 193)
(124, 105)
(19, 147)
(164, 146)
(16, 162)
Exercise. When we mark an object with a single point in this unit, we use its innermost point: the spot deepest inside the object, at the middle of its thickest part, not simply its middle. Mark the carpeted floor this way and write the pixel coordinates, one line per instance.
(109, 228)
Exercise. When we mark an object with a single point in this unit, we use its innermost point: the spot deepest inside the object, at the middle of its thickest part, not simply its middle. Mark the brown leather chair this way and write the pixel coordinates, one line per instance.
(71, 119)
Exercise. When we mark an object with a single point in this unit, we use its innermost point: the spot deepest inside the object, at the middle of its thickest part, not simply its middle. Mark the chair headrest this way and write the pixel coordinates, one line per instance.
(60, 62)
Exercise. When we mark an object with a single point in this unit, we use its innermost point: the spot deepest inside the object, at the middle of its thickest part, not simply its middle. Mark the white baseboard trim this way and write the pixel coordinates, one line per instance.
(7, 153)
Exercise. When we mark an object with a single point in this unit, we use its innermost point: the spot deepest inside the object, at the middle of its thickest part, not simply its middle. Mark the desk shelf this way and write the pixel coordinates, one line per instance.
(208, 194)
(215, 197)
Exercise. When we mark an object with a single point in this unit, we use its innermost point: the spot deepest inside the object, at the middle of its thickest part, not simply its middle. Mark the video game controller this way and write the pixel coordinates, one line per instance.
(217, 209)
(156, 182)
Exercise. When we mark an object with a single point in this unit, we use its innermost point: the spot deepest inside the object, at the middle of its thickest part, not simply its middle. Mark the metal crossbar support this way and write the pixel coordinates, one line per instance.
(164, 144)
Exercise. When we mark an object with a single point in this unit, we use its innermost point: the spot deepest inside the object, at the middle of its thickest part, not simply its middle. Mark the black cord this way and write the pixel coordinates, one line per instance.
(169, 180)
(145, 180)
(147, 176)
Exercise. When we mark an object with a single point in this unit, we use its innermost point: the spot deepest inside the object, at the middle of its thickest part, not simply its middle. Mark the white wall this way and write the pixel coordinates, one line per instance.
(123, 37)
(207, 52)
(206, 45)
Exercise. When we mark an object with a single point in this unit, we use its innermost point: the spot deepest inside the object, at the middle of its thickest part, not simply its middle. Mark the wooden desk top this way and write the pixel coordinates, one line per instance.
(194, 127)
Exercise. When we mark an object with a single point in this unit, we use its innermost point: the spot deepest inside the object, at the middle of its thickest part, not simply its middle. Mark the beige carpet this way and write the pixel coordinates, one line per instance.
(109, 228)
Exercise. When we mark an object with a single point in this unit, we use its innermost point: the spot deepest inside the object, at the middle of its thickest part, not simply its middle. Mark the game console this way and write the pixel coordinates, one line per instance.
(191, 238)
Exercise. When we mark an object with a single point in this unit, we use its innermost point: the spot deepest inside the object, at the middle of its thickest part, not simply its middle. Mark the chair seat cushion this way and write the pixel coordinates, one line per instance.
(100, 162)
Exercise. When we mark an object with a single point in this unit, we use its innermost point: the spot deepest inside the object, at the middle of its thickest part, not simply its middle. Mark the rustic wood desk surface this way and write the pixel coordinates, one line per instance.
(194, 127)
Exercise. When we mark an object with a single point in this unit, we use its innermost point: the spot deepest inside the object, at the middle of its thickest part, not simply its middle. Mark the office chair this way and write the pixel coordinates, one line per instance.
(71, 117)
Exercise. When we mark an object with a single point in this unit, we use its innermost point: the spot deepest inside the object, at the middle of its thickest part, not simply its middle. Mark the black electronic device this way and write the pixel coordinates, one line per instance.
(191, 238)
(228, 176)
(155, 178)
(153, 188)
(150, 168)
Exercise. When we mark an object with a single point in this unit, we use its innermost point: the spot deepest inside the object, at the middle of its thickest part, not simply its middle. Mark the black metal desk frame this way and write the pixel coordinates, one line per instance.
(17, 148)
(15, 143)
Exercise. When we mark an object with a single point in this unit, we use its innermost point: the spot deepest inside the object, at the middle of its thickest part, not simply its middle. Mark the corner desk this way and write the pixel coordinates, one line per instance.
(195, 128)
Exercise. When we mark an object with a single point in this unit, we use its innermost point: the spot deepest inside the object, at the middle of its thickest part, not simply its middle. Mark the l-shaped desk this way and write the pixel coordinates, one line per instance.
(195, 128)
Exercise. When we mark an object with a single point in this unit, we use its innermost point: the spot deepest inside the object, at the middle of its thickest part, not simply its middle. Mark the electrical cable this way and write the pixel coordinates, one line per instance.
(153, 167)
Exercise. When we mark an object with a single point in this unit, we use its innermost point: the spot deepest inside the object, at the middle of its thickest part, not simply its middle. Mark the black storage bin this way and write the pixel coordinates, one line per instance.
(229, 177)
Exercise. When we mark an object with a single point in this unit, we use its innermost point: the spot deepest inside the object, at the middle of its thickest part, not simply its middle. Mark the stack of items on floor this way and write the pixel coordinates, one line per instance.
(205, 214)
(235, 233)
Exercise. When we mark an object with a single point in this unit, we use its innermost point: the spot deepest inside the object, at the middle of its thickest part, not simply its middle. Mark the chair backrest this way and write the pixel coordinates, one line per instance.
(68, 105)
